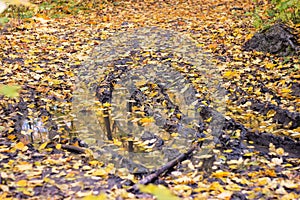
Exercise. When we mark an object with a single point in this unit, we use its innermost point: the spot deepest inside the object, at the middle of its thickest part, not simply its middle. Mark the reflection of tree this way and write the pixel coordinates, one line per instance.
(168, 96)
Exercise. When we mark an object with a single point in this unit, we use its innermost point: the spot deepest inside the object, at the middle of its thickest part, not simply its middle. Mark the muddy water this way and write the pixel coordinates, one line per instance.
(146, 69)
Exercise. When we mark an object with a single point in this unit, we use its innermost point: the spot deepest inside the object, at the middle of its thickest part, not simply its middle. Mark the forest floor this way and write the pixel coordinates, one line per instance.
(257, 155)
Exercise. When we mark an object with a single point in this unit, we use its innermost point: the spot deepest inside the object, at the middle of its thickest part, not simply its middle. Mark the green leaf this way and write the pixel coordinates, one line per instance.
(159, 191)
(3, 20)
(10, 90)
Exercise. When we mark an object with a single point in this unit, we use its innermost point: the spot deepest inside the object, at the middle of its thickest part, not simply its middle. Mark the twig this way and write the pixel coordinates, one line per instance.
(151, 177)
(107, 124)
(69, 148)
(72, 148)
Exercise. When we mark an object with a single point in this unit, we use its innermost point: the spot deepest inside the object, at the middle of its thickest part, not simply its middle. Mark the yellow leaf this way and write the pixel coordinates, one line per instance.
(31, 105)
(22, 183)
(174, 134)
(204, 103)
(58, 146)
(89, 153)
(250, 89)
(270, 172)
(28, 193)
(272, 147)
(220, 174)
(178, 115)
(48, 180)
(147, 120)
(11, 137)
(100, 172)
(117, 142)
(270, 65)
(159, 191)
(92, 197)
(38, 69)
(285, 90)
(280, 151)
(249, 154)
(106, 104)
(208, 120)
(43, 146)
(20, 146)
(263, 181)
(94, 162)
(216, 186)
(153, 94)
(106, 18)
(228, 151)
(233, 187)
(213, 46)
(249, 36)
(230, 74)
(271, 113)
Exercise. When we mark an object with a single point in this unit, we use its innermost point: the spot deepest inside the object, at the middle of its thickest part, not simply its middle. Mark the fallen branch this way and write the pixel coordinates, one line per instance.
(151, 177)
(72, 148)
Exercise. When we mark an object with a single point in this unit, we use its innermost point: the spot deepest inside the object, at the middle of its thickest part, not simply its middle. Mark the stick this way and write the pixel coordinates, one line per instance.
(73, 149)
(107, 124)
(150, 178)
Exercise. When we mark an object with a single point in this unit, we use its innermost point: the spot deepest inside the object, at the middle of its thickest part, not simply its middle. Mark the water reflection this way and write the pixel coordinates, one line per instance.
(162, 51)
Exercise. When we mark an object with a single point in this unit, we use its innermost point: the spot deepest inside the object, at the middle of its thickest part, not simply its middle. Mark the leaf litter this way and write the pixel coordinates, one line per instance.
(43, 56)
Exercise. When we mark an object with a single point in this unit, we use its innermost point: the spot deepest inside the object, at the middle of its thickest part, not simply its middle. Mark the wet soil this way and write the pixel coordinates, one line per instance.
(261, 140)
(172, 123)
